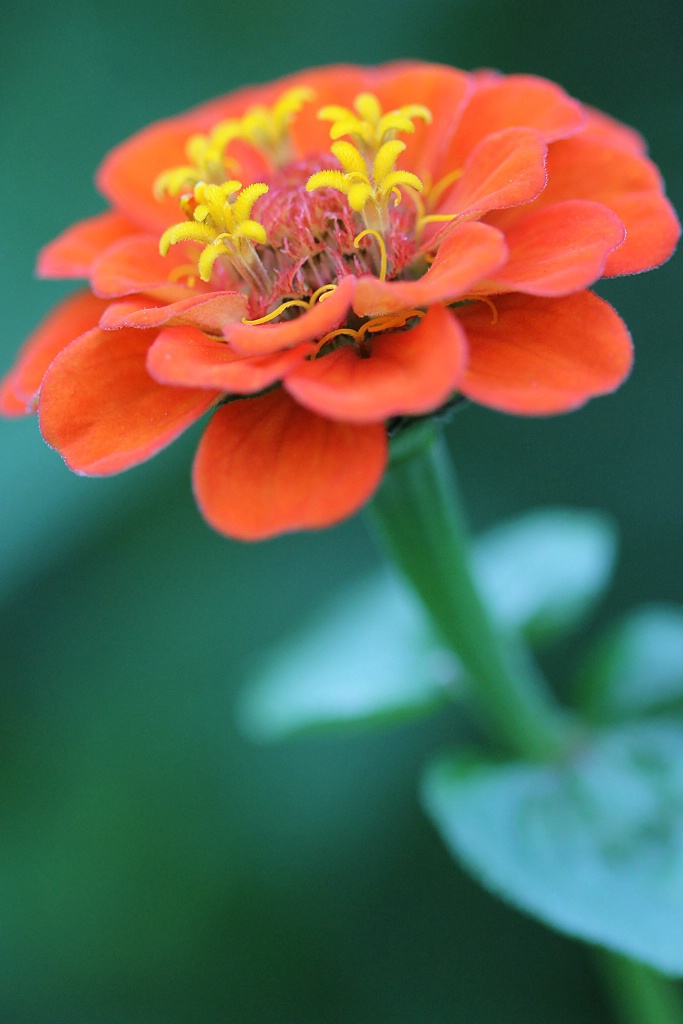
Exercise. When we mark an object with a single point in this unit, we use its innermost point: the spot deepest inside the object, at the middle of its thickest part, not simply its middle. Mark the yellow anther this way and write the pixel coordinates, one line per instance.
(207, 161)
(386, 158)
(268, 128)
(368, 126)
(224, 227)
(382, 249)
(368, 189)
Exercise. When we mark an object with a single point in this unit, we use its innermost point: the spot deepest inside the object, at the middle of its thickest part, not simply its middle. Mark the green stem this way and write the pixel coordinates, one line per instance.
(639, 994)
(417, 513)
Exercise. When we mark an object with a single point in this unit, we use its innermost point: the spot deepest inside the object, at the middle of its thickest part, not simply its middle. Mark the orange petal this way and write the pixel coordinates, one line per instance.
(135, 265)
(515, 101)
(652, 232)
(103, 412)
(267, 466)
(209, 312)
(186, 356)
(314, 323)
(544, 356)
(70, 318)
(584, 168)
(127, 175)
(444, 91)
(469, 251)
(604, 128)
(118, 314)
(559, 249)
(71, 254)
(505, 169)
(337, 84)
(410, 372)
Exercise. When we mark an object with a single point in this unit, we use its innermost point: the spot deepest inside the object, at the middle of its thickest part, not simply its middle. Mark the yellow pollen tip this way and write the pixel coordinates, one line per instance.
(219, 218)
(368, 125)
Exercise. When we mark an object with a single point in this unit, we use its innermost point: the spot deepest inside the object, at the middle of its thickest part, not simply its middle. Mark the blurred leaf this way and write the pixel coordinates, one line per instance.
(372, 658)
(637, 668)
(542, 573)
(592, 847)
(368, 658)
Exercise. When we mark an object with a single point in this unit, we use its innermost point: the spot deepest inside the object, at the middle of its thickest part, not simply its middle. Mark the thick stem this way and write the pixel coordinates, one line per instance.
(638, 994)
(418, 516)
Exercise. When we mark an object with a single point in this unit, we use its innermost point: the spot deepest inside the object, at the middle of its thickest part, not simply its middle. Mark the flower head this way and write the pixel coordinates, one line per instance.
(322, 258)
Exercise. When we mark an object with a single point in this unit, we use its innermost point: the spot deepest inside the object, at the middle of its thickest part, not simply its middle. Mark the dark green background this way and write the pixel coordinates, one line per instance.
(155, 868)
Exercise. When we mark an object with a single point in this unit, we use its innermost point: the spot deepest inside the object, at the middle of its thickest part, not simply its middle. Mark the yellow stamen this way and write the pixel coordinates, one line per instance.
(267, 129)
(376, 325)
(436, 191)
(382, 249)
(340, 332)
(368, 189)
(390, 321)
(319, 295)
(487, 301)
(368, 126)
(434, 218)
(276, 312)
(322, 293)
(224, 227)
(186, 270)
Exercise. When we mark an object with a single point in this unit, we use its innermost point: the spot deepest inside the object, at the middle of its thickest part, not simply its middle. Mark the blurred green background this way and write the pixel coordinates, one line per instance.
(154, 865)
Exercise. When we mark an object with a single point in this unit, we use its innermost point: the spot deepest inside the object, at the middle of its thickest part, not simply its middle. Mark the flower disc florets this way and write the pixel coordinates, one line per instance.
(315, 223)
(316, 259)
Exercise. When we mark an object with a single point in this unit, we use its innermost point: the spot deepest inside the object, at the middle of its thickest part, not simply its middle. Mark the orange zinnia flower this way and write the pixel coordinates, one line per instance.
(315, 258)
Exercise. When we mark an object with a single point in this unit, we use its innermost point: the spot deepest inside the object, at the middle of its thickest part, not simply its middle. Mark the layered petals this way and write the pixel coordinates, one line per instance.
(266, 465)
(558, 249)
(505, 169)
(186, 356)
(209, 312)
(73, 252)
(71, 317)
(134, 264)
(544, 356)
(629, 184)
(342, 247)
(515, 101)
(407, 373)
(469, 251)
(324, 316)
(103, 412)
(444, 91)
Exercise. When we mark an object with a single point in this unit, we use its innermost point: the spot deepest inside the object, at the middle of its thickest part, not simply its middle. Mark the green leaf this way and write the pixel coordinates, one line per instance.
(542, 573)
(368, 658)
(593, 847)
(371, 657)
(637, 668)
